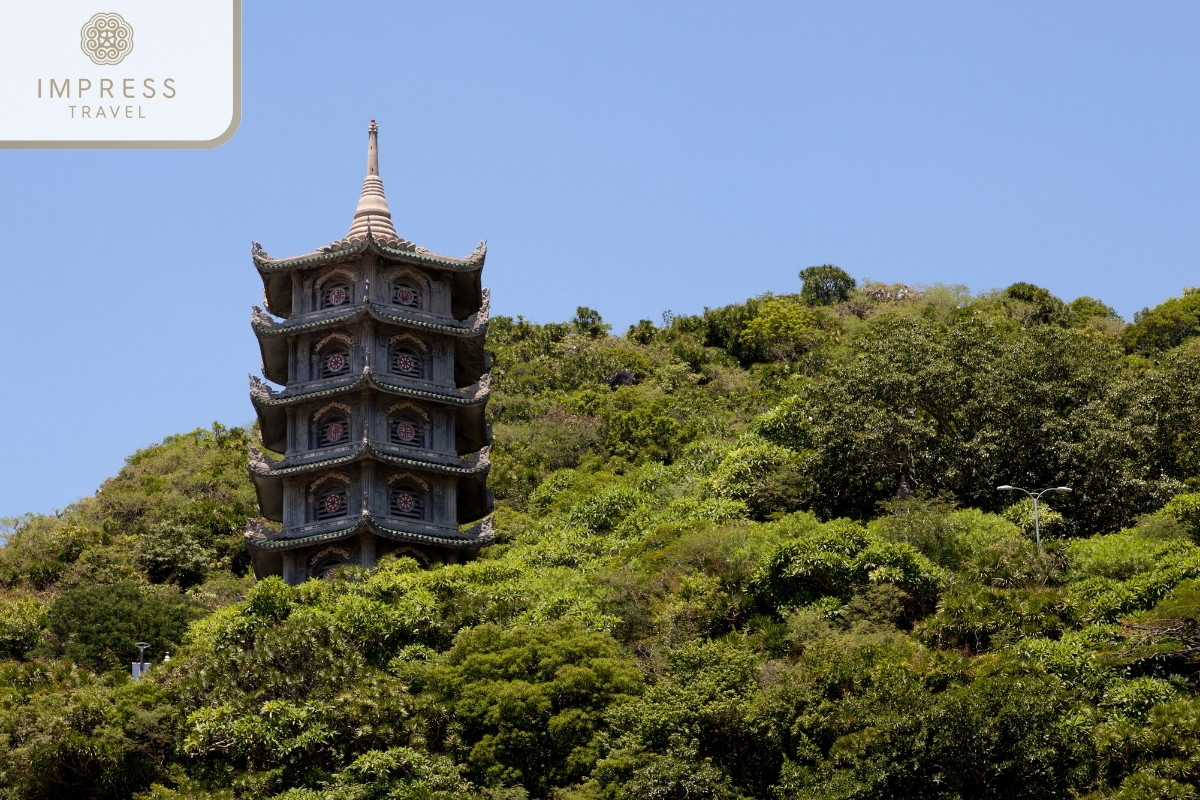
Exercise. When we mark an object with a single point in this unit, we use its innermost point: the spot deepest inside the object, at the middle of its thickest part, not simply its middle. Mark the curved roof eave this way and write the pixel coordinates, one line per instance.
(263, 467)
(480, 535)
(475, 395)
(263, 325)
(350, 248)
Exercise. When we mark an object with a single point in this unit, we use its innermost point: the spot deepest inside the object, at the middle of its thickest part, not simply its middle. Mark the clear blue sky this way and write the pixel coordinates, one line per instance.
(632, 157)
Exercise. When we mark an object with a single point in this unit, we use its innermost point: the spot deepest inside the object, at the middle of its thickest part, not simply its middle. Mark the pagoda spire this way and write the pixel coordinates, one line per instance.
(372, 213)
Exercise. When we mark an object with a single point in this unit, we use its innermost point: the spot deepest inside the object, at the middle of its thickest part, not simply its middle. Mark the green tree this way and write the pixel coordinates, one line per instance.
(531, 701)
(98, 626)
(1037, 305)
(783, 330)
(825, 285)
(589, 323)
(1166, 325)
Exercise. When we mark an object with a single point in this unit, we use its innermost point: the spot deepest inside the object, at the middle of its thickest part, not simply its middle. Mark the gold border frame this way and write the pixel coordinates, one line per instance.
(170, 144)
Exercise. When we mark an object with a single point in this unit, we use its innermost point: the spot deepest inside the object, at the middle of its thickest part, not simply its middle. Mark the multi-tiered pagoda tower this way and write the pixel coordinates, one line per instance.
(383, 452)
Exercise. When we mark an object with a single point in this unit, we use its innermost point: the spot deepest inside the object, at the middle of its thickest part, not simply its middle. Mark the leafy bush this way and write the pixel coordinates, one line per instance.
(825, 284)
(839, 557)
(1166, 325)
(530, 701)
(775, 564)
(98, 626)
(22, 620)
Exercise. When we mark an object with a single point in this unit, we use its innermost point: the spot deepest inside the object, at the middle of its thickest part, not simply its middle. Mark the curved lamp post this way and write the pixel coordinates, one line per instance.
(141, 662)
(1037, 528)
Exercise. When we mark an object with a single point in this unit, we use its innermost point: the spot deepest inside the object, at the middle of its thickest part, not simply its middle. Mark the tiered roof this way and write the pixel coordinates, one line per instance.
(470, 357)
(372, 232)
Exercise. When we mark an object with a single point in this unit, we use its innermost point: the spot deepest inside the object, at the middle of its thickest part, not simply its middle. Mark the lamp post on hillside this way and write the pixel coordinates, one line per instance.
(1037, 528)
(140, 667)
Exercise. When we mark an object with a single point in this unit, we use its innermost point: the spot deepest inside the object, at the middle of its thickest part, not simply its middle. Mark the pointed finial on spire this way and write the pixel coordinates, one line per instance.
(372, 217)
(372, 149)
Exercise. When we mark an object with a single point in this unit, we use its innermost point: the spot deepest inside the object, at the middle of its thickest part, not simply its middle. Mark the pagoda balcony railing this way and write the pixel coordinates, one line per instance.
(305, 387)
(446, 535)
(261, 391)
(266, 325)
(349, 450)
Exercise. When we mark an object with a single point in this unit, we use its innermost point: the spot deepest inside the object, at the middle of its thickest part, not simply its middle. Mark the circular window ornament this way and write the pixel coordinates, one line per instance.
(405, 363)
(336, 362)
(333, 503)
(406, 432)
(337, 296)
(406, 296)
(405, 501)
(336, 432)
(106, 39)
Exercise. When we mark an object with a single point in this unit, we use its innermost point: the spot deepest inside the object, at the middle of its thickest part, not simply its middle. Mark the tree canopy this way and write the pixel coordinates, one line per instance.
(756, 552)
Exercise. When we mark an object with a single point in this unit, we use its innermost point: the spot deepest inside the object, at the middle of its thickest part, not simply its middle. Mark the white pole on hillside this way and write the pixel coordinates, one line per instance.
(1035, 496)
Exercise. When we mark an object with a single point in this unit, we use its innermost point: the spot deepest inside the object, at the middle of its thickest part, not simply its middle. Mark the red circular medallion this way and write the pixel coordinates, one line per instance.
(405, 502)
(405, 363)
(336, 362)
(335, 432)
(406, 296)
(406, 431)
(333, 502)
(337, 296)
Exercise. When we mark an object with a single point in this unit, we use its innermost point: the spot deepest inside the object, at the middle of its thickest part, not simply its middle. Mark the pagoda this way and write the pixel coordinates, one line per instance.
(379, 346)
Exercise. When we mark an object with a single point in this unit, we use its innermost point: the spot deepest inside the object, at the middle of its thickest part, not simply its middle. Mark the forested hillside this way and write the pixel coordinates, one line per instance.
(753, 553)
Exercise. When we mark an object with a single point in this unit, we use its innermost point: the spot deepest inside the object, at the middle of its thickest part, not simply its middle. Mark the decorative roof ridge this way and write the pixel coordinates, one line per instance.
(257, 315)
(483, 529)
(476, 256)
(481, 387)
(354, 241)
(345, 248)
(259, 528)
(466, 328)
(483, 457)
(259, 389)
(261, 393)
(477, 464)
(258, 460)
(261, 537)
(480, 318)
(477, 535)
(264, 324)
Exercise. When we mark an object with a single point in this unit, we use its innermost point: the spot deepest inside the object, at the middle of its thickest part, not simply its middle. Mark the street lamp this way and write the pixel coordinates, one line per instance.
(1037, 528)
(141, 664)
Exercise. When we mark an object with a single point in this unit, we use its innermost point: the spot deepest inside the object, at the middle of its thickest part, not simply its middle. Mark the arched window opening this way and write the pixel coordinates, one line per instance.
(407, 431)
(332, 502)
(335, 360)
(408, 502)
(406, 293)
(406, 362)
(336, 293)
(333, 430)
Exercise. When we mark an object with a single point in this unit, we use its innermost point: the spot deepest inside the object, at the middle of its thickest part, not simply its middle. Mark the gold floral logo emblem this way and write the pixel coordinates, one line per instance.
(106, 38)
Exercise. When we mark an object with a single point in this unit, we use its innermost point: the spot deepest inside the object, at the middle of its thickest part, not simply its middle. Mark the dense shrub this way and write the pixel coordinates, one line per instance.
(756, 552)
(98, 626)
